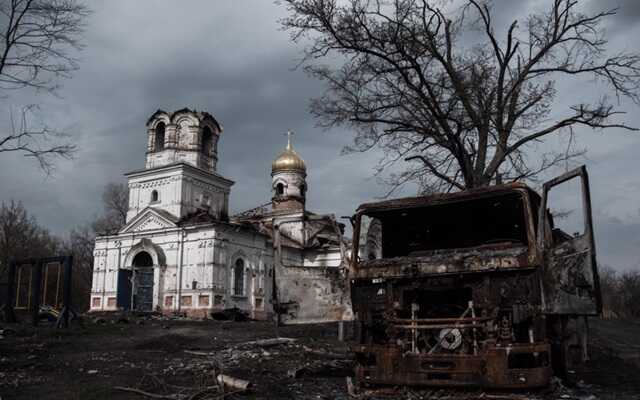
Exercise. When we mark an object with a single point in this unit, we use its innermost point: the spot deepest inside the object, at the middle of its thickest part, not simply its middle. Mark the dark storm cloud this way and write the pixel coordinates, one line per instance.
(231, 59)
(620, 241)
(627, 13)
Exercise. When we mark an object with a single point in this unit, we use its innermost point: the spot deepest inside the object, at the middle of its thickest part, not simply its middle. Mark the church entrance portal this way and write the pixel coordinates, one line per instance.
(143, 282)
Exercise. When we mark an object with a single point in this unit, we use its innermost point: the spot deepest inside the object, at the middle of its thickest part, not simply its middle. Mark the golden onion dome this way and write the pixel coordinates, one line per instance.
(288, 160)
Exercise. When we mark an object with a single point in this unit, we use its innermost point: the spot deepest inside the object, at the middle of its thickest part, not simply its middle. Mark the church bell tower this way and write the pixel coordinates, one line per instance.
(183, 136)
(180, 175)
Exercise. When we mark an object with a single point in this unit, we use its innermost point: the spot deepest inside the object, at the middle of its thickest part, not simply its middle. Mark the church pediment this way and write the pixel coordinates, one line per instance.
(148, 220)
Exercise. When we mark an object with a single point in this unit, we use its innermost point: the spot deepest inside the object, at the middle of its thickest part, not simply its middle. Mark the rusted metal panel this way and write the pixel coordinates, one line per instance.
(386, 365)
(446, 262)
(423, 201)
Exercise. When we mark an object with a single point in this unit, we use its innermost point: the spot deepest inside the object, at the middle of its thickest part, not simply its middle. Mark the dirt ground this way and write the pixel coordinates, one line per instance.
(166, 356)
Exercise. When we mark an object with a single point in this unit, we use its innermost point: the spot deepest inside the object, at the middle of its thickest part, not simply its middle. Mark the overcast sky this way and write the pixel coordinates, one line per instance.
(230, 58)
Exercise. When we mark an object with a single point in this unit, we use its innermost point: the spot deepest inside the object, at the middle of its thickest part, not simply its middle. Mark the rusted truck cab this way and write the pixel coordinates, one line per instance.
(475, 288)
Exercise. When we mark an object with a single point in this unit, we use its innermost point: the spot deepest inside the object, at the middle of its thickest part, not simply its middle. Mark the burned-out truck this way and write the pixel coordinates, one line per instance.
(475, 288)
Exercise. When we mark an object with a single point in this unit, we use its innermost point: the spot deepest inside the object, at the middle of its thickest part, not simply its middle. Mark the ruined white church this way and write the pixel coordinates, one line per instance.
(180, 251)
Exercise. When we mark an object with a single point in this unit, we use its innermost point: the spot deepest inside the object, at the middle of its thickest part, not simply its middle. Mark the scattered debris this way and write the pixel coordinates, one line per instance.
(327, 354)
(231, 314)
(266, 342)
(199, 353)
(337, 368)
(6, 332)
(309, 364)
(351, 387)
(147, 394)
(233, 383)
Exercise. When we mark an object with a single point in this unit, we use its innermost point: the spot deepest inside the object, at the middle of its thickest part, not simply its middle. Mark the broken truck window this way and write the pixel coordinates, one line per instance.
(418, 231)
(564, 203)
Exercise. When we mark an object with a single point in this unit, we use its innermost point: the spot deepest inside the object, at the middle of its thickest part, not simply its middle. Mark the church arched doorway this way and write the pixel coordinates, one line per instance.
(143, 282)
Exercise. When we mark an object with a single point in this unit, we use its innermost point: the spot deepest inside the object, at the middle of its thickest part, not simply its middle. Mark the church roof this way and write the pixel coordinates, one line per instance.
(198, 217)
(203, 217)
(256, 212)
(320, 229)
(150, 218)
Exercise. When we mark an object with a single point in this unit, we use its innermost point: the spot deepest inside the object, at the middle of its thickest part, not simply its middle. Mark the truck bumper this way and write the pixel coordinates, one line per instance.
(516, 366)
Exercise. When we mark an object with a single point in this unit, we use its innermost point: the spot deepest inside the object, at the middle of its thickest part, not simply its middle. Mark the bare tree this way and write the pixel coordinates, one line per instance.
(21, 236)
(612, 303)
(36, 37)
(435, 84)
(80, 244)
(116, 203)
(42, 143)
(81, 241)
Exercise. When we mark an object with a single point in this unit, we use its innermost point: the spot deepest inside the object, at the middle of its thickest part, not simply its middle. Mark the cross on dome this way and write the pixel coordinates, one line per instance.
(289, 134)
(289, 160)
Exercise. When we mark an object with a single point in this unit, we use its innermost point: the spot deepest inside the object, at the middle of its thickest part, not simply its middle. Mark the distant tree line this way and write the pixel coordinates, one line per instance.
(39, 44)
(21, 237)
(620, 293)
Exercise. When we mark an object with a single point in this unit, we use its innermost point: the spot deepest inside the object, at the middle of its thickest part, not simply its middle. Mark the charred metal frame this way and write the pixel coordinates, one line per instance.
(387, 352)
(544, 234)
(37, 265)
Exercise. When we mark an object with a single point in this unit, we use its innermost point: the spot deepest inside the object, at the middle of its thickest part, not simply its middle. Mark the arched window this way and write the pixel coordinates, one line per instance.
(238, 278)
(207, 141)
(160, 136)
(280, 189)
(154, 196)
(303, 189)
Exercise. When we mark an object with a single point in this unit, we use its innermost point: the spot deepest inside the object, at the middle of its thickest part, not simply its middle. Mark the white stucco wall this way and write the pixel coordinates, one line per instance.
(292, 182)
(208, 255)
(181, 190)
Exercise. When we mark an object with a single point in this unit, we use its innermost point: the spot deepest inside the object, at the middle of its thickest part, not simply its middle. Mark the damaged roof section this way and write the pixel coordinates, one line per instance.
(319, 230)
(309, 264)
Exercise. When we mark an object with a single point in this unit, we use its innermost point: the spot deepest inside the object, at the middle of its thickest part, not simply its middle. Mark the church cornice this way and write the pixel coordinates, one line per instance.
(154, 182)
(180, 166)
